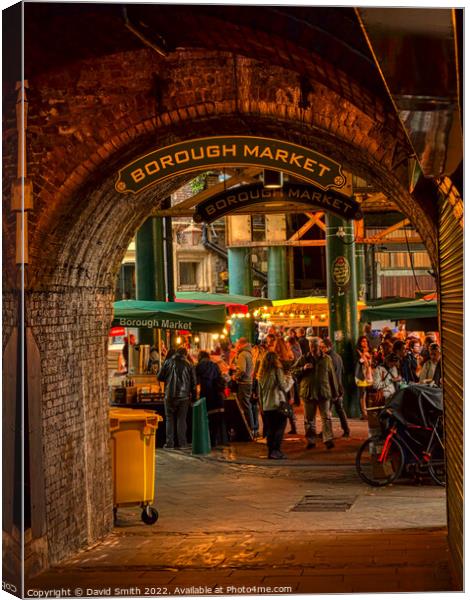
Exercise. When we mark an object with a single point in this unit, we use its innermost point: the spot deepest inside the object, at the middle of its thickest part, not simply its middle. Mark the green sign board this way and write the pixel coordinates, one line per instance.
(230, 151)
(247, 195)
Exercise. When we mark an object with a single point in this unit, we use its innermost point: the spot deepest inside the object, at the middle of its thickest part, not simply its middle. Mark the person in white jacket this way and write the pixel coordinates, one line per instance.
(386, 377)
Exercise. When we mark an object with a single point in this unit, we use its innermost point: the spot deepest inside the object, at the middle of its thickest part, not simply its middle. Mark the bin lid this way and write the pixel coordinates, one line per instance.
(134, 414)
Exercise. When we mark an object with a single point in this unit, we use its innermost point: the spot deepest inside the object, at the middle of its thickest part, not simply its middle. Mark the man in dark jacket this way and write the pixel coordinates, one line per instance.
(318, 386)
(303, 342)
(212, 386)
(408, 363)
(337, 403)
(179, 377)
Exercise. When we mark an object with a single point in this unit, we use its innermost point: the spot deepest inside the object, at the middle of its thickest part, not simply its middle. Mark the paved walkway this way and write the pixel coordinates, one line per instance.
(237, 523)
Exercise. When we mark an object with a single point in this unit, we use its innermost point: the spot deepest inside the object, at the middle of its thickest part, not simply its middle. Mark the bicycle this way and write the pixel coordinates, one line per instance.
(381, 459)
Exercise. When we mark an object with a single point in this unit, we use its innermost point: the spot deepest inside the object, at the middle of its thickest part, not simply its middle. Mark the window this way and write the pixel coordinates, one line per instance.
(188, 273)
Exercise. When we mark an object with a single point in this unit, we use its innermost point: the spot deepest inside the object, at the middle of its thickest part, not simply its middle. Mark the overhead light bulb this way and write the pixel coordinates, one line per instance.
(196, 340)
(178, 340)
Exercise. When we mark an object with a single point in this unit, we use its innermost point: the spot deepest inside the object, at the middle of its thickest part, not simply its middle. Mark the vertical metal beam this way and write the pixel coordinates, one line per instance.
(342, 297)
(276, 230)
(360, 273)
(144, 262)
(159, 258)
(291, 271)
(145, 272)
(239, 271)
(169, 269)
(277, 272)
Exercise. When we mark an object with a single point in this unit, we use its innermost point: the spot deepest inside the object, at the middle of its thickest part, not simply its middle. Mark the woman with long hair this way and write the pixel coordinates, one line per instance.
(363, 371)
(273, 385)
(286, 355)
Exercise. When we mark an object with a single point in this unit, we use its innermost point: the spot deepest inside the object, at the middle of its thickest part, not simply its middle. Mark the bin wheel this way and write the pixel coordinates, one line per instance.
(149, 515)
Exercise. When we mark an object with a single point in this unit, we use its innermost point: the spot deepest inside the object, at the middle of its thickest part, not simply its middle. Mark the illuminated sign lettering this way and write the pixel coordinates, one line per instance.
(234, 151)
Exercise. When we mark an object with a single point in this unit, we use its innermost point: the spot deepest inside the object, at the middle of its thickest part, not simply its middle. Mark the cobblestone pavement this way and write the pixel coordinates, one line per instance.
(227, 521)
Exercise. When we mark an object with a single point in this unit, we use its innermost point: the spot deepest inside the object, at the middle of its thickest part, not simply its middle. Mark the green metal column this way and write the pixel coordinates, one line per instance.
(159, 258)
(169, 270)
(145, 262)
(360, 273)
(170, 280)
(342, 297)
(145, 272)
(150, 268)
(240, 282)
(277, 273)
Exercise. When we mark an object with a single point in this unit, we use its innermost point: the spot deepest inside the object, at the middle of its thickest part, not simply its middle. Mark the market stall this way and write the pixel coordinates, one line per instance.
(311, 311)
(237, 307)
(136, 388)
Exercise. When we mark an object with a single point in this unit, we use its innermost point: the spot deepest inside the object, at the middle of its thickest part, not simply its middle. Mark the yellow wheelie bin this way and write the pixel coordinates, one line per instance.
(133, 434)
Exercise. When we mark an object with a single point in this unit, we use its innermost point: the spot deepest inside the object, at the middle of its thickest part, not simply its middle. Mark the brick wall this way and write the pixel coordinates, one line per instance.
(71, 327)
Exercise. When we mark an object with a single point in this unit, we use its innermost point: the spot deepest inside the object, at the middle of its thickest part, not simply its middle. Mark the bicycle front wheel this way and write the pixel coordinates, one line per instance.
(375, 469)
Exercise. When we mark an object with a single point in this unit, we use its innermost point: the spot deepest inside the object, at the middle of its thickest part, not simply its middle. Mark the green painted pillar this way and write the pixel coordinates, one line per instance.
(240, 282)
(277, 273)
(342, 298)
(145, 272)
(201, 441)
(169, 276)
(145, 262)
(159, 258)
(360, 273)
(150, 268)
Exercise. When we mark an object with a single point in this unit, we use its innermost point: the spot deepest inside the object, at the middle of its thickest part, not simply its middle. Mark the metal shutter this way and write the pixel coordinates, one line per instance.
(451, 328)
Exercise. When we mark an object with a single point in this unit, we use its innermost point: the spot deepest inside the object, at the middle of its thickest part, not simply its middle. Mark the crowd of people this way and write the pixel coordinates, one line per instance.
(288, 368)
(390, 360)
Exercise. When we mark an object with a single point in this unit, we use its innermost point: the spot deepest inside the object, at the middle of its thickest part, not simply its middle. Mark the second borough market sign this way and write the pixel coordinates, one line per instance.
(247, 195)
(230, 151)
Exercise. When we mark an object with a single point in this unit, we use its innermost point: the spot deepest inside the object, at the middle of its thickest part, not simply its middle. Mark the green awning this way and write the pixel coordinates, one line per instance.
(400, 311)
(228, 299)
(169, 315)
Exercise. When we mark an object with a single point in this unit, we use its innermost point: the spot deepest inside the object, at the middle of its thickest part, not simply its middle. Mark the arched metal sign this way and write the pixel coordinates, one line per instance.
(230, 151)
(246, 195)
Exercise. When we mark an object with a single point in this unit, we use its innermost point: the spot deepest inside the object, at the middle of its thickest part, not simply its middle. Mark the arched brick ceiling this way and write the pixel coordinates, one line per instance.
(89, 116)
(89, 242)
(310, 41)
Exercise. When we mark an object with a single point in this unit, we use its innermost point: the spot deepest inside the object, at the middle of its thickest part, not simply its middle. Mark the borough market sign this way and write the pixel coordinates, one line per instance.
(230, 151)
(313, 196)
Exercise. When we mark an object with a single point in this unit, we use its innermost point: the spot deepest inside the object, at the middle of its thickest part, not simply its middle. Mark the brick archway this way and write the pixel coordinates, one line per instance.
(80, 227)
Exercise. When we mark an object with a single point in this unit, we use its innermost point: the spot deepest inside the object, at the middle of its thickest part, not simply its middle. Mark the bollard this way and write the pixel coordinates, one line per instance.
(201, 443)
